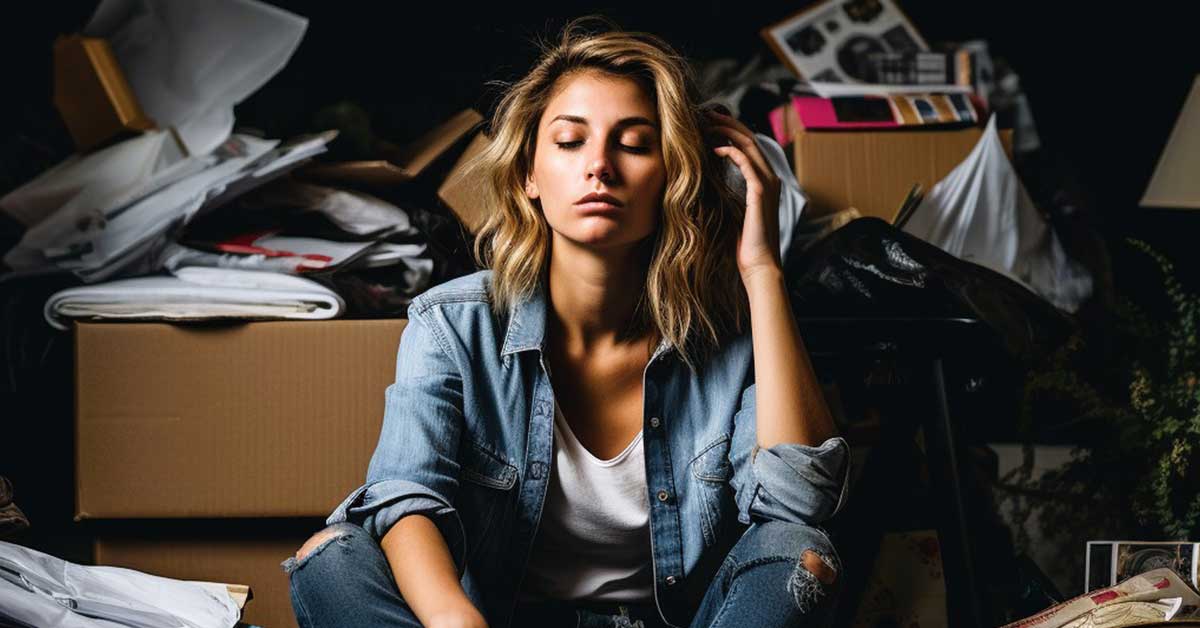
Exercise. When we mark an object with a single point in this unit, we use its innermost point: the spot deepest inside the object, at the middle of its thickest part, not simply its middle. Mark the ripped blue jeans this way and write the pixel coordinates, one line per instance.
(778, 574)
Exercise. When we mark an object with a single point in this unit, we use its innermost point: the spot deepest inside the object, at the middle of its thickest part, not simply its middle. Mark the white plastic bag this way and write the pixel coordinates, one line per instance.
(981, 213)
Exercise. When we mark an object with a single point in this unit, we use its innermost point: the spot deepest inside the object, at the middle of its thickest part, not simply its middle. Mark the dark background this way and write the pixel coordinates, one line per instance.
(1105, 83)
(1105, 86)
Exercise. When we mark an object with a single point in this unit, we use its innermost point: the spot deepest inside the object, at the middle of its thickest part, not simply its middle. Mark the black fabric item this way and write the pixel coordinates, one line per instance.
(383, 292)
(869, 268)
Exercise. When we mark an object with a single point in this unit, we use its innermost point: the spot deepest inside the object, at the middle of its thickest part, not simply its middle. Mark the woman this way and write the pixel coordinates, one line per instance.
(577, 436)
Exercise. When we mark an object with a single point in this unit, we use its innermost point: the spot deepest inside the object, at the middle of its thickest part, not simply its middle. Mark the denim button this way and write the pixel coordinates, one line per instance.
(537, 471)
(654, 422)
(671, 581)
(663, 496)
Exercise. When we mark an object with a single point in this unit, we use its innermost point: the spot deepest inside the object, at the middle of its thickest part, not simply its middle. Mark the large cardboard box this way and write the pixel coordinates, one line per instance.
(872, 171)
(265, 419)
(249, 559)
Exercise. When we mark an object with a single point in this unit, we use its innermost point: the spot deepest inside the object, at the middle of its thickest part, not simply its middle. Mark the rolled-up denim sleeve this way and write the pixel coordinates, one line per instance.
(415, 468)
(787, 482)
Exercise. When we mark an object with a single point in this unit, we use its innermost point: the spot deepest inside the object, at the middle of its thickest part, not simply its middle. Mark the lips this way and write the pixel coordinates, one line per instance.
(599, 200)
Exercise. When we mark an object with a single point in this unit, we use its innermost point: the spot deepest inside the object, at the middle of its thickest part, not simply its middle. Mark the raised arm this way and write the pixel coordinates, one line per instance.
(790, 406)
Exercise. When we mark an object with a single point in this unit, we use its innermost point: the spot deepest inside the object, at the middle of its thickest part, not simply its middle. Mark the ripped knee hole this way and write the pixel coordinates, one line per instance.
(810, 580)
(316, 541)
(817, 565)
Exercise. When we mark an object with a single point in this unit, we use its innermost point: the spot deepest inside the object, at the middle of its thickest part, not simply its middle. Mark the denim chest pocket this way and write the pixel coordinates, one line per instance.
(485, 499)
(712, 470)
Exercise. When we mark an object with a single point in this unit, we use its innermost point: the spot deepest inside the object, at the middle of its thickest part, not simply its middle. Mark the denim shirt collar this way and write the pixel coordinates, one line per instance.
(527, 324)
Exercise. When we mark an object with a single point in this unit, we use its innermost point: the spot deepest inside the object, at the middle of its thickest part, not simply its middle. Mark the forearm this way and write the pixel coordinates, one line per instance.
(789, 405)
(425, 574)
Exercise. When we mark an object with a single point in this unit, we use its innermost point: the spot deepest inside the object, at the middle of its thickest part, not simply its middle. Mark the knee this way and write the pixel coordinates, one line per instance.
(324, 537)
(813, 578)
(344, 534)
(814, 564)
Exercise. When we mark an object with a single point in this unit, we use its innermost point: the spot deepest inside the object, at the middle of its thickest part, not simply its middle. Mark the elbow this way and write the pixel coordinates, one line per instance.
(800, 483)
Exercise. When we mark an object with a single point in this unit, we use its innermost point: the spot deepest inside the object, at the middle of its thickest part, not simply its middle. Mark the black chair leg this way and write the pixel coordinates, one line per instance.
(946, 478)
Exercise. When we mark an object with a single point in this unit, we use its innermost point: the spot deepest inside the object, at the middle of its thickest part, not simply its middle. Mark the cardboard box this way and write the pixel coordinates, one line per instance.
(461, 191)
(406, 163)
(252, 560)
(92, 94)
(873, 171)
(266, 419)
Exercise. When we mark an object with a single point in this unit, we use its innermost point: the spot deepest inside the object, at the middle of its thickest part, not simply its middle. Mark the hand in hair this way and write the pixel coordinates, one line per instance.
(758, 244)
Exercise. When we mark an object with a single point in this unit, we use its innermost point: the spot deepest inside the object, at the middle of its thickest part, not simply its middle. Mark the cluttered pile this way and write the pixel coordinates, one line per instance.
(858, 89)
(169, 211)
(915, 206)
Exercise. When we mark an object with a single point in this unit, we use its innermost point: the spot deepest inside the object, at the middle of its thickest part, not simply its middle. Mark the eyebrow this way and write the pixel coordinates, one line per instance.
(623, 122)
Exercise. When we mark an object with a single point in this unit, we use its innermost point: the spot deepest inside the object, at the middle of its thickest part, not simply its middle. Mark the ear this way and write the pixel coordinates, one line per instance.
(531, 189)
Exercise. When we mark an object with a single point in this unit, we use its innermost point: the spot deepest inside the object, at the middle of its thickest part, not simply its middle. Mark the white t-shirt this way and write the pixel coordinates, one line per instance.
(593, 541)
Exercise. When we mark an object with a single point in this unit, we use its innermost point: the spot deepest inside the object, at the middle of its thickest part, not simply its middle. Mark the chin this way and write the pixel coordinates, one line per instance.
(601, 236)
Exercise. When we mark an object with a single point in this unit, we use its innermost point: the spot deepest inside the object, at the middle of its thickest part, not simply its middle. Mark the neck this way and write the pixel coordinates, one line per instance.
(593, 294)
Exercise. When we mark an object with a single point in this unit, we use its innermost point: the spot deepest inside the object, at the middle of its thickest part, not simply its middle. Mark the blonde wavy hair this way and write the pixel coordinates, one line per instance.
(692, 297)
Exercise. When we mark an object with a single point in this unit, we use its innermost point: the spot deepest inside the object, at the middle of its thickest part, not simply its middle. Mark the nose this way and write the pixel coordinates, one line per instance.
(600, 168)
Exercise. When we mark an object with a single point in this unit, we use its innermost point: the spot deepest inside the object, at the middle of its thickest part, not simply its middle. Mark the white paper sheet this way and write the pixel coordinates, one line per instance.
(190, 61)
(94, 247)
(37, 589)
(833, 90)
(112, 176)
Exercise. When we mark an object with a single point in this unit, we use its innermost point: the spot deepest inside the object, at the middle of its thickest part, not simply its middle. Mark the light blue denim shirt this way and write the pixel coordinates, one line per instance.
(467, 441)
(468, 432)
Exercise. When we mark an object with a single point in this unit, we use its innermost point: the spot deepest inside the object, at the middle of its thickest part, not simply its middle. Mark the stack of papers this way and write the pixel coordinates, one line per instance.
(99, 236)
(197, 294)
(188, 62)
(1152, 598)
(37, 589)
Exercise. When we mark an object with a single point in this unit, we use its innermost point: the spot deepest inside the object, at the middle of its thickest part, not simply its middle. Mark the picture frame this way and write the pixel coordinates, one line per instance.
(827, 41)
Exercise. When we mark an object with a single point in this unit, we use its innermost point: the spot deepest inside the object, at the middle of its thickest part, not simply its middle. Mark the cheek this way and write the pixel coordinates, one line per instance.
(549, 172)
(650, 180)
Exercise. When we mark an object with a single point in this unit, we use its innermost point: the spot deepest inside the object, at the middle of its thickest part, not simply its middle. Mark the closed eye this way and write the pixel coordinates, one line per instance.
(636, 150)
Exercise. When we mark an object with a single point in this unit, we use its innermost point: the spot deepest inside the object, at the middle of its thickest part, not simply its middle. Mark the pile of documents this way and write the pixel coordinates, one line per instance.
(859, 73)
(1156, 597)
(118, 217)
(37, 589)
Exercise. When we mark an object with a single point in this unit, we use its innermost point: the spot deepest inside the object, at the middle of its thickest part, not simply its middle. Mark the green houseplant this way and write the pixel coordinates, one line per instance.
(1129, 400)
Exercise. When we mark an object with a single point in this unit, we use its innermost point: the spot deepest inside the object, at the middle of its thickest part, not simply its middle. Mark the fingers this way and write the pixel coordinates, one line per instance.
(743, 138)
(749, 147)
(754, 184)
